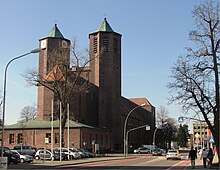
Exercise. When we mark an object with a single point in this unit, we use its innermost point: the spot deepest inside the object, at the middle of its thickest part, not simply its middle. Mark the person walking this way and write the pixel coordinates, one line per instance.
(193, 157)
(210, 156)
(204, 155)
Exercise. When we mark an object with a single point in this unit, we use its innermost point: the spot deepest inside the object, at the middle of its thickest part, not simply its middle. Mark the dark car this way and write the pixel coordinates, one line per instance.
(12, 158)
(157, 152)
(91, 155)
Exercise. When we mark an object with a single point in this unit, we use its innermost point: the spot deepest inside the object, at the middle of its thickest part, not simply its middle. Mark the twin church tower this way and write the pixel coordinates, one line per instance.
(100, 107)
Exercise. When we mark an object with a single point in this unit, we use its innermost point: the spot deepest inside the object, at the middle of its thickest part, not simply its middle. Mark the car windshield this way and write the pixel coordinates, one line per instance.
(172, 151)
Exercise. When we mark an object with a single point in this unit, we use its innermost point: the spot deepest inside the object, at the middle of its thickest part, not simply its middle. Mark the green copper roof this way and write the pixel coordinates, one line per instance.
(55, 32)
(41, 124)
(105, 27)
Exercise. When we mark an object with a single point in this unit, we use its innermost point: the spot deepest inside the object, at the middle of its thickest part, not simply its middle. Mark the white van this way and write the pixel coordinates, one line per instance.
(151, 147)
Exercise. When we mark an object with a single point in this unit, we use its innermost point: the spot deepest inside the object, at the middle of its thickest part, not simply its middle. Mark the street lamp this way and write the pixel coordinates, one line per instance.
(126, 119)
(147, 128)
(4, 93)
(155, 134)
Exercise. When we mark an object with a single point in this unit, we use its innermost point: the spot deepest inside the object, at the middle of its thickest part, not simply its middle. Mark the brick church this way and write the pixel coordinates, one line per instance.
(96, 117)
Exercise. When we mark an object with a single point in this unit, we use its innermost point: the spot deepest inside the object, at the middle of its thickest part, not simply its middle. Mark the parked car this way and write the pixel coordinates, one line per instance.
(91, 155)
(81, 152)
(142, 150)
(23, 157)
(46, 154)
(173, 154)
(12, 158)
(157, 152)
(69, 152)
(25, 149)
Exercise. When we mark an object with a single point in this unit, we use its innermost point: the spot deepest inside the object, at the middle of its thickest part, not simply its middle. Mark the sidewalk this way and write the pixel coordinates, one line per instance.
(199, 164)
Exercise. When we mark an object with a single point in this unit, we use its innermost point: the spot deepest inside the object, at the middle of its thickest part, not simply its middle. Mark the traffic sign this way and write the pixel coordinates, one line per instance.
(211, 140)
(197, 141)
(197, 135)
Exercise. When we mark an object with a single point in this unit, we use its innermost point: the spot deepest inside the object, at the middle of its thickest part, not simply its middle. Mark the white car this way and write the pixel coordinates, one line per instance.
(173, 154)
(23, 157)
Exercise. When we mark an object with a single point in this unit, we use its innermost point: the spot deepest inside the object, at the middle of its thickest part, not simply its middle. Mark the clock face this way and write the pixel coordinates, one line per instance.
(43, 44)
(64, 44)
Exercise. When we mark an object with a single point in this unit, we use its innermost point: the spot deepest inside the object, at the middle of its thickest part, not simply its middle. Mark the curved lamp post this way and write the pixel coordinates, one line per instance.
(155, 134)
(126, 119)
(4, 93)
(147, 128)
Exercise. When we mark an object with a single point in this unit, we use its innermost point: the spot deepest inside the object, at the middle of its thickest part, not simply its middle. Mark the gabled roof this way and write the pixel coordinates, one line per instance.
(55, 32)
(140, 101)
(55, 74)
(41, 124)
(105, 27)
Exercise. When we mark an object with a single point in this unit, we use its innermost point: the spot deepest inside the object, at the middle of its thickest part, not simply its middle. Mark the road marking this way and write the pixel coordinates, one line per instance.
(180, 165)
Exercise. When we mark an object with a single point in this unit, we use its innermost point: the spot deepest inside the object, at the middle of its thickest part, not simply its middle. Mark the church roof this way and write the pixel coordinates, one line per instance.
(140, 101)
(55, 32)
(42, 124)
(55, 74)
(105, 27)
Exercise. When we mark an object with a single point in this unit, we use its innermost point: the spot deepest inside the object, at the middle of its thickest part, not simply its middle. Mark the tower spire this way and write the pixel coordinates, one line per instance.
(105, 27)
(55, 32)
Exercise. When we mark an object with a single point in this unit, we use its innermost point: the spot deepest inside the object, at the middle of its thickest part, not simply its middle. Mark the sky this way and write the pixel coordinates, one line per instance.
(154, 34)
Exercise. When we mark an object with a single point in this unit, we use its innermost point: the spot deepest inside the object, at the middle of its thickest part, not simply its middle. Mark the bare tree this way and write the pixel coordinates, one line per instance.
(196, 75)
(167, 125)
(64, 81)
(162, 114)
(28, 113)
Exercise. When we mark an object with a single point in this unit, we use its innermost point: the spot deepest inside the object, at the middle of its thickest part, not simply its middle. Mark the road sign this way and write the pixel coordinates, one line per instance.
(197, 135)
(147, 127)
(197, 141)
(180, 119)
(211, 140)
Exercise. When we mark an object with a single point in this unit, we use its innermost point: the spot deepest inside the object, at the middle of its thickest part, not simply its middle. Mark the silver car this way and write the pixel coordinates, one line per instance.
(142, 150)
(23, 157)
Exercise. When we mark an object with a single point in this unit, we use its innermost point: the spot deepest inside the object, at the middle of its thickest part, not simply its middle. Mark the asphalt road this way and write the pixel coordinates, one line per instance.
(113, 162)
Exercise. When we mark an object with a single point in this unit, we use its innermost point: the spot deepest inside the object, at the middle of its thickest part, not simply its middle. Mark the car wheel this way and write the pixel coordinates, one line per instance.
(22, 160)
(139, 152)
(37, 157)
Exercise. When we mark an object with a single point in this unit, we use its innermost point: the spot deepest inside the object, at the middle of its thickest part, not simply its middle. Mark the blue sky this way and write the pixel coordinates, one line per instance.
(154, 34)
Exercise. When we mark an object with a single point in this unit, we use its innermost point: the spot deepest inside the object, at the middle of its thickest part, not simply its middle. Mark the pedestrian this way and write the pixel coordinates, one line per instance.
(204, 155)
(193, 157)
(210, 156)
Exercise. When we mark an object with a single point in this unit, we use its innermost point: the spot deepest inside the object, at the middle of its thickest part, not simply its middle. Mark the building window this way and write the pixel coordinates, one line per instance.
(96, 138)
(101, 139)
(95, 45)
(20, 138)
(48, 136)
(11, 138)
(105, 43)
(115, 45)
(90, 138)
(57, 138)
(106, 139)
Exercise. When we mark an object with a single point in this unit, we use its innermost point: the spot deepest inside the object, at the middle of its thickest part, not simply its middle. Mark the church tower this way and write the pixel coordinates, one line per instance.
(56, 50)
(105, 56)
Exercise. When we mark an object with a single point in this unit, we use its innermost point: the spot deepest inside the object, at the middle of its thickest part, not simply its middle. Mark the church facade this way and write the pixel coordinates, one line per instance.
(96, 117)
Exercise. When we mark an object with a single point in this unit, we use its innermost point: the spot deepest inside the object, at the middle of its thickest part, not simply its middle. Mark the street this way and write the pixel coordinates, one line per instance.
(115, 161)
(140, 162)
(143, 161)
